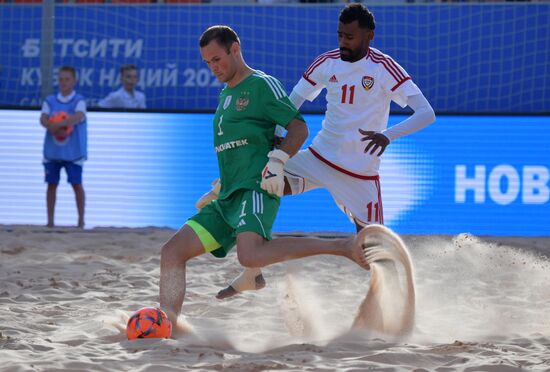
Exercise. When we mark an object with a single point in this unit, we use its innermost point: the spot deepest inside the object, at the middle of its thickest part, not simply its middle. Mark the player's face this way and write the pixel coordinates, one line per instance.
(129, 79)
(219, 61)
(66, 82)
(353, 41)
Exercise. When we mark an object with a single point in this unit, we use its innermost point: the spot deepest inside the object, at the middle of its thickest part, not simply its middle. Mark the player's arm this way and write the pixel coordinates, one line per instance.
(423, 115)
(280, 132)
(297, 134)
(273, 179)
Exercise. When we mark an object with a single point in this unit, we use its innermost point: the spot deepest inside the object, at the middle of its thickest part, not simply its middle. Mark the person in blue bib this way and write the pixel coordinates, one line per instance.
(65, 142)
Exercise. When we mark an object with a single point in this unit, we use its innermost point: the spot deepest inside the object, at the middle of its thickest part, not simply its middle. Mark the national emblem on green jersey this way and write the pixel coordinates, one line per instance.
(244, 129)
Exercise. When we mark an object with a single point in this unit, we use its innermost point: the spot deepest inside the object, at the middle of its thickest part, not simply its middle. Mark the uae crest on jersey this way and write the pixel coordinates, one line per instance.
(241, 103)
(367, 82)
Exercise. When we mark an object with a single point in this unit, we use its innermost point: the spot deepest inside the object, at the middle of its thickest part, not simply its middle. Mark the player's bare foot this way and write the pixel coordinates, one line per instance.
(180, 328)
(359, 244)
(259, 283)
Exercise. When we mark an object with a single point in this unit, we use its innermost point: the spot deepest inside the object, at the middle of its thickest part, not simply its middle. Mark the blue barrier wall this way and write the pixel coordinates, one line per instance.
(483, 175)
(465, 57)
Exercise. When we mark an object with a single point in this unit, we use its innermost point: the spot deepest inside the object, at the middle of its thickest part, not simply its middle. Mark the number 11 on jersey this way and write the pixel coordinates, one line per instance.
(373, 218)
(345, 93)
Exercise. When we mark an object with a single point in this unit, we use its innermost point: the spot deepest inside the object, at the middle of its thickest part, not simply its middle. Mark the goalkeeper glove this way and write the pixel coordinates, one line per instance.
(273, 179)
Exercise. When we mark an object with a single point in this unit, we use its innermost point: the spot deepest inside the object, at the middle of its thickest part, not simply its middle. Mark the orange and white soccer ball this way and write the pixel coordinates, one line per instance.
(148, 322)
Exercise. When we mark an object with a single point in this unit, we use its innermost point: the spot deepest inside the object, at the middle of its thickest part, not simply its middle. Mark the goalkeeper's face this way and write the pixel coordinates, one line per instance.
(220, 61)
(353, 41)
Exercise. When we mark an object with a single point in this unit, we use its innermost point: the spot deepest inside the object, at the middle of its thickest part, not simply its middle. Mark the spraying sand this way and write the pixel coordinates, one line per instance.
(65, 295)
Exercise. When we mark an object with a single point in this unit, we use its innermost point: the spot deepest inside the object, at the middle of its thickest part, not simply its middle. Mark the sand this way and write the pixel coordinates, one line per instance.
(482, 304)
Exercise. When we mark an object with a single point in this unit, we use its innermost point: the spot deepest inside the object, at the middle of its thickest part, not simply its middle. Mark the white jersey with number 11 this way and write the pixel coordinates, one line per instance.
(358, 96)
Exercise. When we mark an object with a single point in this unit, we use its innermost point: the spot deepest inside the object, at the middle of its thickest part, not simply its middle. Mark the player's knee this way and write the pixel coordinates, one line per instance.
(167, 252)
(172, 254)
(247, 256)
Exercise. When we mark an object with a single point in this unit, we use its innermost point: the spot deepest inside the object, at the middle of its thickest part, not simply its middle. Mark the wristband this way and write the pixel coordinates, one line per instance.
(279, 155)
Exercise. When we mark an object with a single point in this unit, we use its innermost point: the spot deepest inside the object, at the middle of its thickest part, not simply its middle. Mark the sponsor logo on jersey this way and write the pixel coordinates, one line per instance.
(367, 82)
(241, 223)
(333, 79)
(231, 145)
(227, 102)
(241, 103)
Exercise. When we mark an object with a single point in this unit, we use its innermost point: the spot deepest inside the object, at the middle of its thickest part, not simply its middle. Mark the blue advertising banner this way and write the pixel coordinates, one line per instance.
(465, 58)
(484, 175)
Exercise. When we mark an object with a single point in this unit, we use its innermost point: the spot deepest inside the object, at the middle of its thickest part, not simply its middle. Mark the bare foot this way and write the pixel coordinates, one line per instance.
(230, 291)
(181, 328)
(359, 244)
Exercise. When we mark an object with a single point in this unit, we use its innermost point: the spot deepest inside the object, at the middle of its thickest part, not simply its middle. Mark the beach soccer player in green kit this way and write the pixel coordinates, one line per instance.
(251, 104)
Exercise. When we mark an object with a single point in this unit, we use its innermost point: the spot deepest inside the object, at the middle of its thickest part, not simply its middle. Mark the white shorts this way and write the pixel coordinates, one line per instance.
(360, 199)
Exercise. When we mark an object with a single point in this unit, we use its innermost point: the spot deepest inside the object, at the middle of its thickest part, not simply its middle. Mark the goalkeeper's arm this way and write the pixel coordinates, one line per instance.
(280, 132)
(273, 174)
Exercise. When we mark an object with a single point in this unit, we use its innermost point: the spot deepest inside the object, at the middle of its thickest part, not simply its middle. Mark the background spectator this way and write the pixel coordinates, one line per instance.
(65, 142)
(126, 96)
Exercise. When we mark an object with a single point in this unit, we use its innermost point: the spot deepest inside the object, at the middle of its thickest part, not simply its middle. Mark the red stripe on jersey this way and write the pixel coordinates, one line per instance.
(399, 84)
(380, 208)
(319, 61)
(390, 66)
(340, 169)
(309, 80)
(319, 58)
(390, 69)
(391, 63)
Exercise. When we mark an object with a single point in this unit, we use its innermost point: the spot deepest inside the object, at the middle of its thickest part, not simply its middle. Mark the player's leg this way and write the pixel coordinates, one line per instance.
(200, 234)
(254, 217)
(359, 199)
(389, 306)
(51, 171)
(295, 183)
(184, 245)
(250, 279)
(254, 251)
(74, 176)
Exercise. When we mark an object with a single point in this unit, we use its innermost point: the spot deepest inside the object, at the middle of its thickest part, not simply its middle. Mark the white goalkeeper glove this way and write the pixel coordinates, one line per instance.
(273, 179)
(210, 195)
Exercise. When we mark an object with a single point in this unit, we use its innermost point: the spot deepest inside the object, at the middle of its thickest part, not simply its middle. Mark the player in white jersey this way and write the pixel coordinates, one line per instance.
(344, 157)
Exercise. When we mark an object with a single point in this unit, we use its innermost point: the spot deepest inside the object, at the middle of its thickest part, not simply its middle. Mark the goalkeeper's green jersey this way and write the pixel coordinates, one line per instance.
(244, 129)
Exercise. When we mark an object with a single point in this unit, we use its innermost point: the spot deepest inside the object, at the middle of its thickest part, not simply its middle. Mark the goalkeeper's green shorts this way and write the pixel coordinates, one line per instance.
(218, 223)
